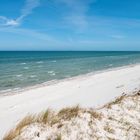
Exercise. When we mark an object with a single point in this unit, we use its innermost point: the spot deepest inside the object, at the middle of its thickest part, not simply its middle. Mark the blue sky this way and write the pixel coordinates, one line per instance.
(70, 25)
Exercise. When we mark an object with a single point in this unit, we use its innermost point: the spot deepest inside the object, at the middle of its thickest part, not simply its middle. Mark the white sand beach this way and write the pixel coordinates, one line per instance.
(87, 91)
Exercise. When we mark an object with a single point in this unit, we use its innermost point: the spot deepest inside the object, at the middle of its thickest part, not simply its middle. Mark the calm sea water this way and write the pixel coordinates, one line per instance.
(23, 69)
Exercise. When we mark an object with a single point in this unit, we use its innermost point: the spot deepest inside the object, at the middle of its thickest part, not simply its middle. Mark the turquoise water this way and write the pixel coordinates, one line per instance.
(23, 69)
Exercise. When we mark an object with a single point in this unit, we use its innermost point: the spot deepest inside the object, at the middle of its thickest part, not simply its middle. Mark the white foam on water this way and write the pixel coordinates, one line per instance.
(6, 90)
(19, 75)
(33, 76)
(22, 63)
(50, 72)
(16, 88)
(26, 68)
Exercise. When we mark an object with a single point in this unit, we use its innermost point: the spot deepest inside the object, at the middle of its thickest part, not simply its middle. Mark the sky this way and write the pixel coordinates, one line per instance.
(70, 25)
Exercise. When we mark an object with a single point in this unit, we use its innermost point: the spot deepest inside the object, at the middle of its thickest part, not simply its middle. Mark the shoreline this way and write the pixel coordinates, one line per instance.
(93, 90)
(56, 81)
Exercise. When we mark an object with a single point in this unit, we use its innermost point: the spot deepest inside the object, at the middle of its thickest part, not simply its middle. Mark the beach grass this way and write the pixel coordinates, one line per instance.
(59, 124)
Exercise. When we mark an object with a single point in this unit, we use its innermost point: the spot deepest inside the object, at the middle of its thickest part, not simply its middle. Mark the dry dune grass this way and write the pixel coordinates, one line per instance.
(68, 113)
(16, 131)
(45, 117)
(116, 101)
(105, 114)
(49, 117)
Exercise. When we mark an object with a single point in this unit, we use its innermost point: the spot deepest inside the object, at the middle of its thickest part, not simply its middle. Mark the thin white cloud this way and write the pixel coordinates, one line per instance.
(12, 22)
(25, 11)
(31, 33)
(28, 8)
(118, 36)
(77, 15)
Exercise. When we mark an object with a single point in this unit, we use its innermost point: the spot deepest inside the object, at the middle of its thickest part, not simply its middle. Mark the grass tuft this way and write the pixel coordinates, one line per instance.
(59, 137)
(69, 113)
(10, 135)
(16, 132)
(117, 101)
(95, 114)
(46, 116)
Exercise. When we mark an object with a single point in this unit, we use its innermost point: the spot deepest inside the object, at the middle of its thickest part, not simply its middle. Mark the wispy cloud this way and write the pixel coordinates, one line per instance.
(4, 21)
(28, 8)
(27, 32)
(77, 15)
(118, 36)
(25, 11)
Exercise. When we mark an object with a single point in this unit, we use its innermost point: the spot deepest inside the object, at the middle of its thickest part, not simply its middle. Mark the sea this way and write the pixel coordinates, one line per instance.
(23, 69)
